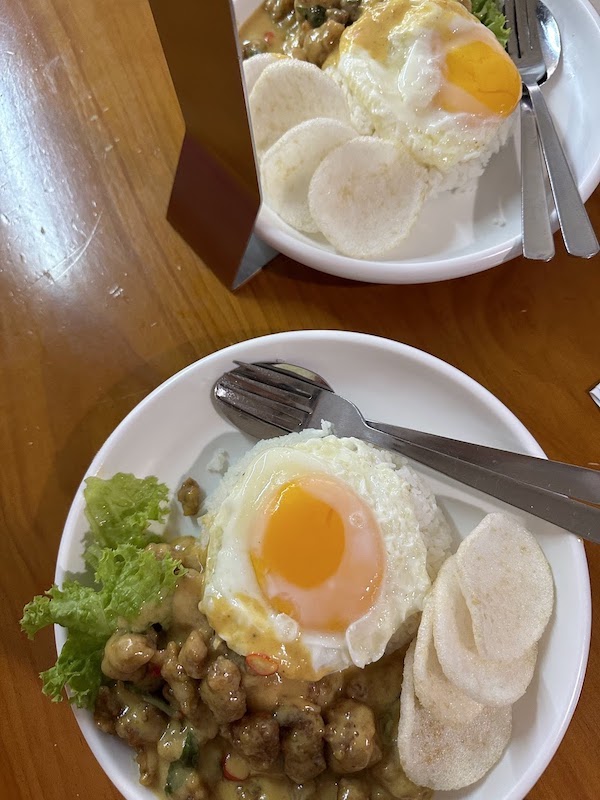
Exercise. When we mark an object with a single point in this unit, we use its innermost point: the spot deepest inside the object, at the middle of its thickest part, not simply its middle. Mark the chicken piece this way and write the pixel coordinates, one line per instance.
(147, 761)
(107, 709)
(190, 552)
(160, 550)
(256, 736)
(192, 655)
(301, 743)
(352, 789)
(278, 9)
(126, 654)
(190, 497)
(378, 684)
(186, 598)
(222, 692)
(351, 735)
(353, 8)
(318, 43)
(182, 689)
(183, 695)
(139, 723)
(322, 693)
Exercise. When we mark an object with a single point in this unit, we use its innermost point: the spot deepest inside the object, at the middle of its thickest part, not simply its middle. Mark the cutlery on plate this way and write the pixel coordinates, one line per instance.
(525, 48)
(538, 242)
(269, 400)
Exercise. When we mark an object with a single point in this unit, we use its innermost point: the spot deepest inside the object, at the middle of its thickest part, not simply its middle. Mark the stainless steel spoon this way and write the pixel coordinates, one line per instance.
(232, 400)
(538, 242)
(578, 233)
(550, 40)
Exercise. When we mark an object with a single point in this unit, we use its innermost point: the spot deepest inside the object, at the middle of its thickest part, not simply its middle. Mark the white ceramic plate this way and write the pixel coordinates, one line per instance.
(175, 431)
(463, 233)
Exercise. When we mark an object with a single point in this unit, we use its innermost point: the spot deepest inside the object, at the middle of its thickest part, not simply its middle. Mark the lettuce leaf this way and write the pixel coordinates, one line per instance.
(76, 607)
(490, 13)
(120, 509)
(132, 587)
(135, 585)
(78, 667)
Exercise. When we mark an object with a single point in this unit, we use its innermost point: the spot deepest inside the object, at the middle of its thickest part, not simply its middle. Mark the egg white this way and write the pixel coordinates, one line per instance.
(233, 601)
(392, 95)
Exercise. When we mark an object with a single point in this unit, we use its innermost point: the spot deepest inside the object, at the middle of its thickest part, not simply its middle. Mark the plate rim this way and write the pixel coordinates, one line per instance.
(529, 443)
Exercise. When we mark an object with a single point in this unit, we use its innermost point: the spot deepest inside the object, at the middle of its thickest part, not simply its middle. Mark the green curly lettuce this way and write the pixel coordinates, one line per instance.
(131, 588)
(491, 14)
(120, 510)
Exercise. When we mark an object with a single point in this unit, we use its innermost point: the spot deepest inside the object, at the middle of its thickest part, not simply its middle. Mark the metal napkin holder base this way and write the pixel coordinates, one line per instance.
(215, 197)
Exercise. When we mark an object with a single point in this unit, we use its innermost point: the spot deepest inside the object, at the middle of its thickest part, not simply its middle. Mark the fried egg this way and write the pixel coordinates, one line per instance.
(315, 557)
(429, 73)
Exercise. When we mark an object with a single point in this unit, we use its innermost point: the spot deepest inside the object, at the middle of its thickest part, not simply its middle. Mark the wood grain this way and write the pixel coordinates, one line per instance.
(100, 301)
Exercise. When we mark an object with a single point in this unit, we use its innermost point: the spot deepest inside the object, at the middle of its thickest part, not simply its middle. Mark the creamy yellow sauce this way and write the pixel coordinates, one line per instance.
(294, 659)
(375, 24)
(260, 27)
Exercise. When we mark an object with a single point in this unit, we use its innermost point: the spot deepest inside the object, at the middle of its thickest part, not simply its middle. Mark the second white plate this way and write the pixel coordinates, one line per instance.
(463, 233)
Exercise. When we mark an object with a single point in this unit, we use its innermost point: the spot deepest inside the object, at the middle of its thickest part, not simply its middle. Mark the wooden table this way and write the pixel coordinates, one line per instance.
(100, 301)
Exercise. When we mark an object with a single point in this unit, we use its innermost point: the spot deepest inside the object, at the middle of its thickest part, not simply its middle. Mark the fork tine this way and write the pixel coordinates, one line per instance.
(237, 382)
(277, 379)
(522, 27)
(533, 26)
(513, 43)
(261, 408)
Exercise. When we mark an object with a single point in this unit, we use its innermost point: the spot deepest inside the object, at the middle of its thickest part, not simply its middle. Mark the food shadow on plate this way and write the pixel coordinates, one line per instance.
(462, 516)
(453, 221)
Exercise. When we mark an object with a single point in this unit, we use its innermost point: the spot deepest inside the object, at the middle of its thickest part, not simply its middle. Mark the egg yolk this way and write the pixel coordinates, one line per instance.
(479, 79)
(318, 554)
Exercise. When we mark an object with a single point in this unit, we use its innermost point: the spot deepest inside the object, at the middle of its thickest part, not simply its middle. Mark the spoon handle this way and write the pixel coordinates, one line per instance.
(538, 243)
(569, 514)
(578, 233)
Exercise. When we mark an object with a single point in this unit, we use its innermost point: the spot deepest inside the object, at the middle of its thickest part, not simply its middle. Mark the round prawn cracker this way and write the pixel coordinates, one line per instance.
(365, 196)
(442, 698)
(254, 67)
(288, 166)
(507, 584)
(446, 756)
(289, 92)
(492, 683)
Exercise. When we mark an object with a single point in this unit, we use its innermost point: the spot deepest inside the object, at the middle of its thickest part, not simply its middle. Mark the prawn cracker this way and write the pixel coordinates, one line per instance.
(288, 166)
(447, 756)
(289, 92)
(365, 196)
(508, 587)
(442, 698)
(255, 66)
(493, 683)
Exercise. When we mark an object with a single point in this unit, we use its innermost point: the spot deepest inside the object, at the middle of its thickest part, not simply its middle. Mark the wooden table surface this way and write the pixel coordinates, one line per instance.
(101, 301)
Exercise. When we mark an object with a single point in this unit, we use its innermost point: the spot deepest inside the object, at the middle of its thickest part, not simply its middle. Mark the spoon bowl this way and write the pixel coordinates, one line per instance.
(550, 40)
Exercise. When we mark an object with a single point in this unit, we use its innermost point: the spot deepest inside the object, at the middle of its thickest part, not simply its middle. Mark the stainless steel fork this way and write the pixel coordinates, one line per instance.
(538, 243)
(292, 404)
(526, 51)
